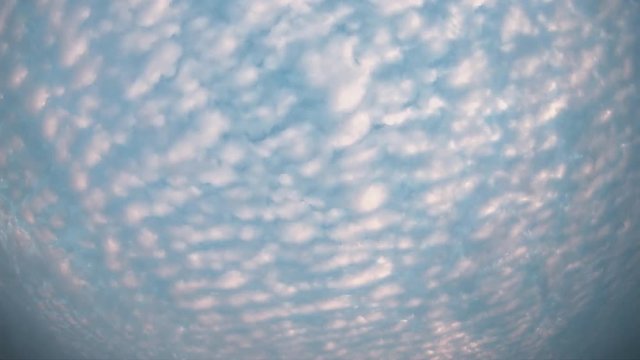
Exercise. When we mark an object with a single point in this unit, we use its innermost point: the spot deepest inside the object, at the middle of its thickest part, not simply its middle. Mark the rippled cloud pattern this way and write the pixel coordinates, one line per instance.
(306, 179)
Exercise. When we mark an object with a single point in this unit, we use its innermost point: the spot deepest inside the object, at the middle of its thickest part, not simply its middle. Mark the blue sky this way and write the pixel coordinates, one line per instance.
(318, 179)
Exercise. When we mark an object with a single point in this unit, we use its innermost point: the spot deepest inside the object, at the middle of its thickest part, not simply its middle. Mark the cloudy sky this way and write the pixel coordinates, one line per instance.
(307, 179)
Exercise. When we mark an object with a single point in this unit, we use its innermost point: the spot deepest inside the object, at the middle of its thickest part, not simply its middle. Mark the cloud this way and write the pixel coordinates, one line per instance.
(353, 130)
(380, 270)
(394, 7)
(231, 280)
(371, 198)
(276, 169)
(298, 233)
(162, 63)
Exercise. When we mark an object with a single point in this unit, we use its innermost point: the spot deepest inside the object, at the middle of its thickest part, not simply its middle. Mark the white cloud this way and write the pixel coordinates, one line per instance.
(111, 246)
(211, 125)
(468, 70)
(73, 50)
(441, 199)
(140, 41)
(398, 118)
(87, 72)
(516, 23)
(50, 125)
(218, 177)
(354, 129)
(371, 198)
(79, 179)
(99, 145)
(335, 69)
(38, 99)
(299, 232)
(231, 280)
(380, 270)
(386, 291)
(343, 259)
(147, 238)
(348, 95)
(202, 303)
(5, 11)
(247, 75)
(154, 11)
(396, 6)
(162, 63)
(136, 212)
(243, 298)
(18, 75)
(185, 287)
(333, 304)
(410, 24)
(552, 110)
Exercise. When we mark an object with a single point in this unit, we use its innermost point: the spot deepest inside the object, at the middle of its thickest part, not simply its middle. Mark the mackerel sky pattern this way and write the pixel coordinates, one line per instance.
(306, 179)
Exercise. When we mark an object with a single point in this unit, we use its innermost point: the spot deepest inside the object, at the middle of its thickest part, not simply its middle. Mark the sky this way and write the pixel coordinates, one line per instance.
(306, 179)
